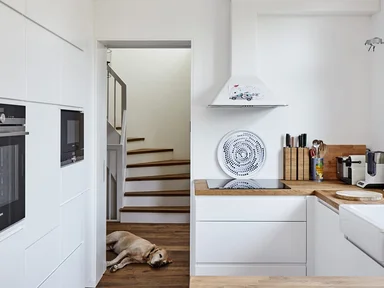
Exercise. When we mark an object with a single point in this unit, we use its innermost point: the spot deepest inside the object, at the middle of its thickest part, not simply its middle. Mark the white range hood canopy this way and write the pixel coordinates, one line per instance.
(244, 89)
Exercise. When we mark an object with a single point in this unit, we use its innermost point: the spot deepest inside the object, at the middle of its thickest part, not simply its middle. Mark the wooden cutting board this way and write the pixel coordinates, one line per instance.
(330, 162)
(359, 195)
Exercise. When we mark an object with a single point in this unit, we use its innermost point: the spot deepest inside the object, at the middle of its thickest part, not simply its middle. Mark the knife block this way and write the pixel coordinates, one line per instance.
(296, 164)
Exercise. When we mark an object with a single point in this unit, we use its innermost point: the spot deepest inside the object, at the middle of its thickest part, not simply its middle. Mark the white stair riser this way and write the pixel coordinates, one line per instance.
(144, 217)
(157, 170)
(149, 157)
(157, 185)
(135, 145)
(156, 201)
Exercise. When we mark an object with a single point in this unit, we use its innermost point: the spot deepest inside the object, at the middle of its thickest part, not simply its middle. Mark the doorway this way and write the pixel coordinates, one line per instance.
(154, 203)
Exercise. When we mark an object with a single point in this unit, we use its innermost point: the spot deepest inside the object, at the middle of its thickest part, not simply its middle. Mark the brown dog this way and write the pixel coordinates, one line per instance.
(133, 249)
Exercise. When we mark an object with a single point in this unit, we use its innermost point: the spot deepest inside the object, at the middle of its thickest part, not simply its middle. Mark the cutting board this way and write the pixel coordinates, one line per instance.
(359, 195)
(330, 162)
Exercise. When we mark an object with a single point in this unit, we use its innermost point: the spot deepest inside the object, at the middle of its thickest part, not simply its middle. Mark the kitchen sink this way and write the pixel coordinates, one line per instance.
(363, 225)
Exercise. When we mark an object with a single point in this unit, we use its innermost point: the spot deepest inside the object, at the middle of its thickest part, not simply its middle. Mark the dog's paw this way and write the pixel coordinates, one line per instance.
(113, 269)
(109, 263)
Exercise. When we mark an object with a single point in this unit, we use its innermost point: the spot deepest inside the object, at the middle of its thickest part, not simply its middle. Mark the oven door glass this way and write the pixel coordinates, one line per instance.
(71, 131)
(12, 180)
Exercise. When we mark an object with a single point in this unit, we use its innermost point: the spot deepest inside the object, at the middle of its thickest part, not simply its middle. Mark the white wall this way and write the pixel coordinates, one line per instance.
(318, 65)
(377, 58)
(159, 85)
(47, 67)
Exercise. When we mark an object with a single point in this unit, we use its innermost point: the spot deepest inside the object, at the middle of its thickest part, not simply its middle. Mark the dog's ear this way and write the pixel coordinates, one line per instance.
(146, 255)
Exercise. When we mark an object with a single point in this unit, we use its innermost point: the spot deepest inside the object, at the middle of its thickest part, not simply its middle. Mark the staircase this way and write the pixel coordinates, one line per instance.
(156, 185)
(144, 185)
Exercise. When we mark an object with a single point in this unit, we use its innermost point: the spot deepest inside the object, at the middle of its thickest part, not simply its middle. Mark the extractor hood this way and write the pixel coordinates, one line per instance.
(244, 89)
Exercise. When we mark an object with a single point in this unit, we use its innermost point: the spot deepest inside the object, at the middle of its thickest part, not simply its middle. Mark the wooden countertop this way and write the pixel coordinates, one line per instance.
(270, 282)
(326, 191)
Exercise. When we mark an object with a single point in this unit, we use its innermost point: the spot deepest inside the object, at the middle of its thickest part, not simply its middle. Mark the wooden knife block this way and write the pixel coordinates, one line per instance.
(296, 163)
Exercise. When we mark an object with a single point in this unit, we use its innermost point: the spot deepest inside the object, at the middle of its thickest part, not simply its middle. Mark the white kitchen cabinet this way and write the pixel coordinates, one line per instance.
(72, 271)
(73, 180)
(72, 225)
(251, 242)
(12, 259)
(250, 236)
(66, 18)
(18, 5)
(73, 77)
(333, 254)
(42, 170)
(251, 208)
(53, 281)
(42, 258)
(44, 52)
(12, 56)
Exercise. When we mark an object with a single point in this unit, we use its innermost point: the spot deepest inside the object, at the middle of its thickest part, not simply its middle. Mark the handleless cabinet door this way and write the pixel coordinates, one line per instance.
(42, 170)
(12, 56)
(334, 255)
(43, 65)
(12, 260)
(251, 242)
(251, 208)
(18, 5)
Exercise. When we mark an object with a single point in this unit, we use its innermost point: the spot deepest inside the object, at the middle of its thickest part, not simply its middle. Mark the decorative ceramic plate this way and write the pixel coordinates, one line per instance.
(241, 154)
(359, 195)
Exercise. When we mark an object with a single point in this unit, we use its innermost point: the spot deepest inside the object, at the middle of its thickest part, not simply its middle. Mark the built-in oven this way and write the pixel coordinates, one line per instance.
(12, 164)
(72, 136)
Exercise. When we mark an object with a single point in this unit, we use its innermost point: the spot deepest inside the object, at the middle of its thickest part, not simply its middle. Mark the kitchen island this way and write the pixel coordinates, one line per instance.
(270, 282)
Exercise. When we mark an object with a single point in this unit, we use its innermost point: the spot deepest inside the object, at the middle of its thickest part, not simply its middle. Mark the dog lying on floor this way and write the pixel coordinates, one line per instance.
(133, 249)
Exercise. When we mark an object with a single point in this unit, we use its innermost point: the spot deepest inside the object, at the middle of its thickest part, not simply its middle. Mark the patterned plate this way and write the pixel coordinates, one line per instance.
(241, 154)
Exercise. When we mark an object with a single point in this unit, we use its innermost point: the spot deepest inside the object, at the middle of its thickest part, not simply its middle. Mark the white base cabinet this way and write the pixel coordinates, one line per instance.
(333, 254)
(250, 236)
(251, 242)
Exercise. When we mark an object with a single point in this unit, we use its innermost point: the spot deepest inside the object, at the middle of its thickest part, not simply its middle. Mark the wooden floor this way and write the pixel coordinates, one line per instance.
(174, 237)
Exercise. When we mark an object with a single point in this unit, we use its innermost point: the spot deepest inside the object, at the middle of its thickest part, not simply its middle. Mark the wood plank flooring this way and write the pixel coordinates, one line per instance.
(174, 237)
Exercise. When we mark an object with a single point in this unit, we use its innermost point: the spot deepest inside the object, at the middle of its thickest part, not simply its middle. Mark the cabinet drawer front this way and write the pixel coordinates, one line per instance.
(251, 208)
(251, 242)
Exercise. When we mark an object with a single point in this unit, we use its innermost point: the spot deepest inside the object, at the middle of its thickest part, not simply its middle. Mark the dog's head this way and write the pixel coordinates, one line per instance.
(158, 257)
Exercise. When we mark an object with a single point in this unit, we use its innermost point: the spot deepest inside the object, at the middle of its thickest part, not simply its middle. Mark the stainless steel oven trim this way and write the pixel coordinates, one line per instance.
(10, 134)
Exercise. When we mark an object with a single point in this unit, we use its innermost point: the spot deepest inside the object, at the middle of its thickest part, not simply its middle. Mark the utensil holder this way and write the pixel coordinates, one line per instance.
(317, 169)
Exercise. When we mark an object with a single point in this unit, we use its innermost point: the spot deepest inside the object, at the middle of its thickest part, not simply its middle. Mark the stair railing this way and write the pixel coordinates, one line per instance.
(117, 146)
(117, 110)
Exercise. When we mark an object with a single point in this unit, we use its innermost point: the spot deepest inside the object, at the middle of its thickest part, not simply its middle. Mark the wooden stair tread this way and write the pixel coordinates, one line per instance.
(135, 139)
(159, 177)
(148, 150)
(158, 193)
(156, 209)
(159, 163)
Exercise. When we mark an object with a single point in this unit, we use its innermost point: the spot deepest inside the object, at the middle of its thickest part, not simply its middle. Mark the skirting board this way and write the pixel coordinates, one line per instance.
(250, 270)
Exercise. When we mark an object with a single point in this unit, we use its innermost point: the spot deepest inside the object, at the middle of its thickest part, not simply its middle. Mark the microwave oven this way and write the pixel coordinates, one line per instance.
(72, 136)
